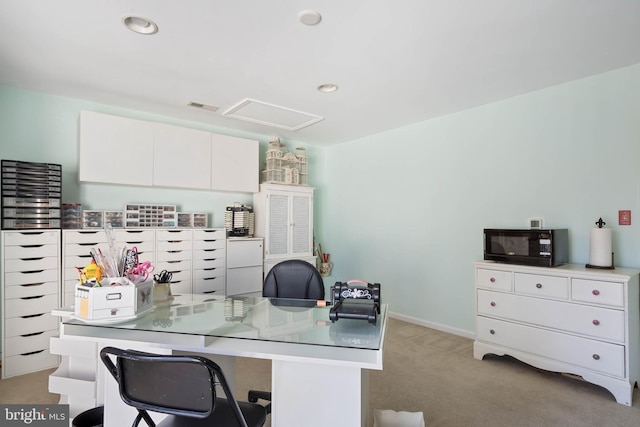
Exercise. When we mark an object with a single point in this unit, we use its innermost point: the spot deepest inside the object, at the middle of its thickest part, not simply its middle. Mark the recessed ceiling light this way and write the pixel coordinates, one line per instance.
(328, 87)
(309, 17)
(140, 25)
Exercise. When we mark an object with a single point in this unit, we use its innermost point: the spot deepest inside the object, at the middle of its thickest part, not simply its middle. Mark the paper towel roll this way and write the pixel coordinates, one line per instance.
(600, 247)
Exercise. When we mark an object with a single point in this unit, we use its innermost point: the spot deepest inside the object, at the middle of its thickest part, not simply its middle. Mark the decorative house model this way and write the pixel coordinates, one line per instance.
(285, 167)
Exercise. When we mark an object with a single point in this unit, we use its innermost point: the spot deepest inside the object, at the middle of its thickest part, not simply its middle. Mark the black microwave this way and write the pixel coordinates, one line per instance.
(543, 248)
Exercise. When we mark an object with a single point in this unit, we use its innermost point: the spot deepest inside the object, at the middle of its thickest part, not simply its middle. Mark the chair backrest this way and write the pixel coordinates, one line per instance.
(293, 278)
(178, 385)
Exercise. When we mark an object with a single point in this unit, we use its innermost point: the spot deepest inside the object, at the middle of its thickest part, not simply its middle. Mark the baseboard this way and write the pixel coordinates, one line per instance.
(432, 325)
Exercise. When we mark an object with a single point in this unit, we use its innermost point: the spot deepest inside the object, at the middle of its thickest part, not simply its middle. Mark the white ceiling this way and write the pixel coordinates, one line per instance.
(396, 62)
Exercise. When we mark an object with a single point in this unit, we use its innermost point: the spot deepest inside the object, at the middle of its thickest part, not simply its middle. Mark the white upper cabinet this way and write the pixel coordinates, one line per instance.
(181, 157)
(119, 150)
(234, 164)
(114, 149)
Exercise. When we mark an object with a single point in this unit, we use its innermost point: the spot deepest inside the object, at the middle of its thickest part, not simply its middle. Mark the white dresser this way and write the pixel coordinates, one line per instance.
(30, 290)
(564, 319)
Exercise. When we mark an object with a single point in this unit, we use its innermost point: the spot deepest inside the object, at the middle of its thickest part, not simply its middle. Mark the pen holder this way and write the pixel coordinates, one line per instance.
(161, 292)
(325, 269)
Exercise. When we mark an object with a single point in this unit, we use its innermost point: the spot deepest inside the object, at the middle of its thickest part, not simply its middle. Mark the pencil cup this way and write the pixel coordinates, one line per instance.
(161, 292)
(325, 269)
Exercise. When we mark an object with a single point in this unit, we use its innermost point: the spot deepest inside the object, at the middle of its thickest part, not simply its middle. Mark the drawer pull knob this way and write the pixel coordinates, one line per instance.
(596, 357)
(492, 280)
(493, 304)
(595, 292)
(539, 285)
(492, 332)
(596, 322)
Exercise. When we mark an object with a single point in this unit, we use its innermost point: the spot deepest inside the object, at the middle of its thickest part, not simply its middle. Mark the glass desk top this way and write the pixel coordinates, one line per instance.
(252, 318)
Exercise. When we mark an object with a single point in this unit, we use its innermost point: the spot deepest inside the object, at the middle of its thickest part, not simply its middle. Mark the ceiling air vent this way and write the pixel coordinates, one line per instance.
(203, 106)
(267, 114)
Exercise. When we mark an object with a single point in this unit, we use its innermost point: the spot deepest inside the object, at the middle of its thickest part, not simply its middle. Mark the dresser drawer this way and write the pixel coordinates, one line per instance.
(209, 285)
(208, 273)
(30, 251)
(180, 271)
(28, 277)
(597, 292)
(17, 326)
(210, 234)
(172, 235)
(179, 287)
(30, 290)
(173, 245)
(494, 279)
(209, 263)
(603, 323)
(28, 344)
(31, 238)
(26, 363)
(541, 285)
(27, 307)
(209, 244)
(85, 236)
(83, 248)
(31, 264)
(595, 355)
(136, 237)
(175, 255)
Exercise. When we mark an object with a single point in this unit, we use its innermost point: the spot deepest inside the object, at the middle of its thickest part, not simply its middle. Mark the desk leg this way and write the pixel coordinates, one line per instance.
(315, 395)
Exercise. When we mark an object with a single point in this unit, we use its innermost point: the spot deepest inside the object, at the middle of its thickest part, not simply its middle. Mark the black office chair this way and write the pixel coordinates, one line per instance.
(293, 278)
(182, 386)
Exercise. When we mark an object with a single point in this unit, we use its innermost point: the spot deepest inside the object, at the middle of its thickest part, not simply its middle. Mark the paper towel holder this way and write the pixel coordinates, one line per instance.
(600, 223)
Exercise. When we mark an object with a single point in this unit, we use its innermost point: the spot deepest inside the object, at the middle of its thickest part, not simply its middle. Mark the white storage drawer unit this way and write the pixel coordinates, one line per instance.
(30, 290)
(209, 261)
(565, 319)
(174, 253)
(244, 265)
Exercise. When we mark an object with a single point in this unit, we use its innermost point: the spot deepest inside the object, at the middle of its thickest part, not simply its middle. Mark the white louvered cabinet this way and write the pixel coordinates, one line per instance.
(30, 290)
(284, 218)
(564, 319)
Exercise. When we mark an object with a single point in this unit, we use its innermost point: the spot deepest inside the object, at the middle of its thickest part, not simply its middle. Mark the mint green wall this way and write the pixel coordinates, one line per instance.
(406, 207)
(44, 128)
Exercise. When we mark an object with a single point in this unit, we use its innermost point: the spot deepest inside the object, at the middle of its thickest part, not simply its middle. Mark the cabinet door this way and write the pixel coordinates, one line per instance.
(301, 220)
(277, 224)
(234, 164)
(181, 157)
(115, 150)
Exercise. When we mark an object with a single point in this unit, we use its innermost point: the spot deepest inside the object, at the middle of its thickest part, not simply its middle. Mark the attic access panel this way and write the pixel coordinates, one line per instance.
(272, 115)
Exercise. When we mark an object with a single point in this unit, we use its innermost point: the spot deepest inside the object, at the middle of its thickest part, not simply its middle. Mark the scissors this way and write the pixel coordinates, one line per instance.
(164, 277)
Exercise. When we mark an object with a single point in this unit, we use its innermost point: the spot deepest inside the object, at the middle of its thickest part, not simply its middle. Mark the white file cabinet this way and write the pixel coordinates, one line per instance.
(30, 290)
(173, 253)
(209, 265)
(564, 319)
(244, 265)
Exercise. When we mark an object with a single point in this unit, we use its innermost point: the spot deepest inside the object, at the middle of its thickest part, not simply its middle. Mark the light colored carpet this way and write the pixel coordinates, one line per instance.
(435, 373)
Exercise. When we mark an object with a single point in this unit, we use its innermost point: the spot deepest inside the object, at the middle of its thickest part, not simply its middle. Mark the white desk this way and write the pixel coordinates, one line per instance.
(315, 363)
